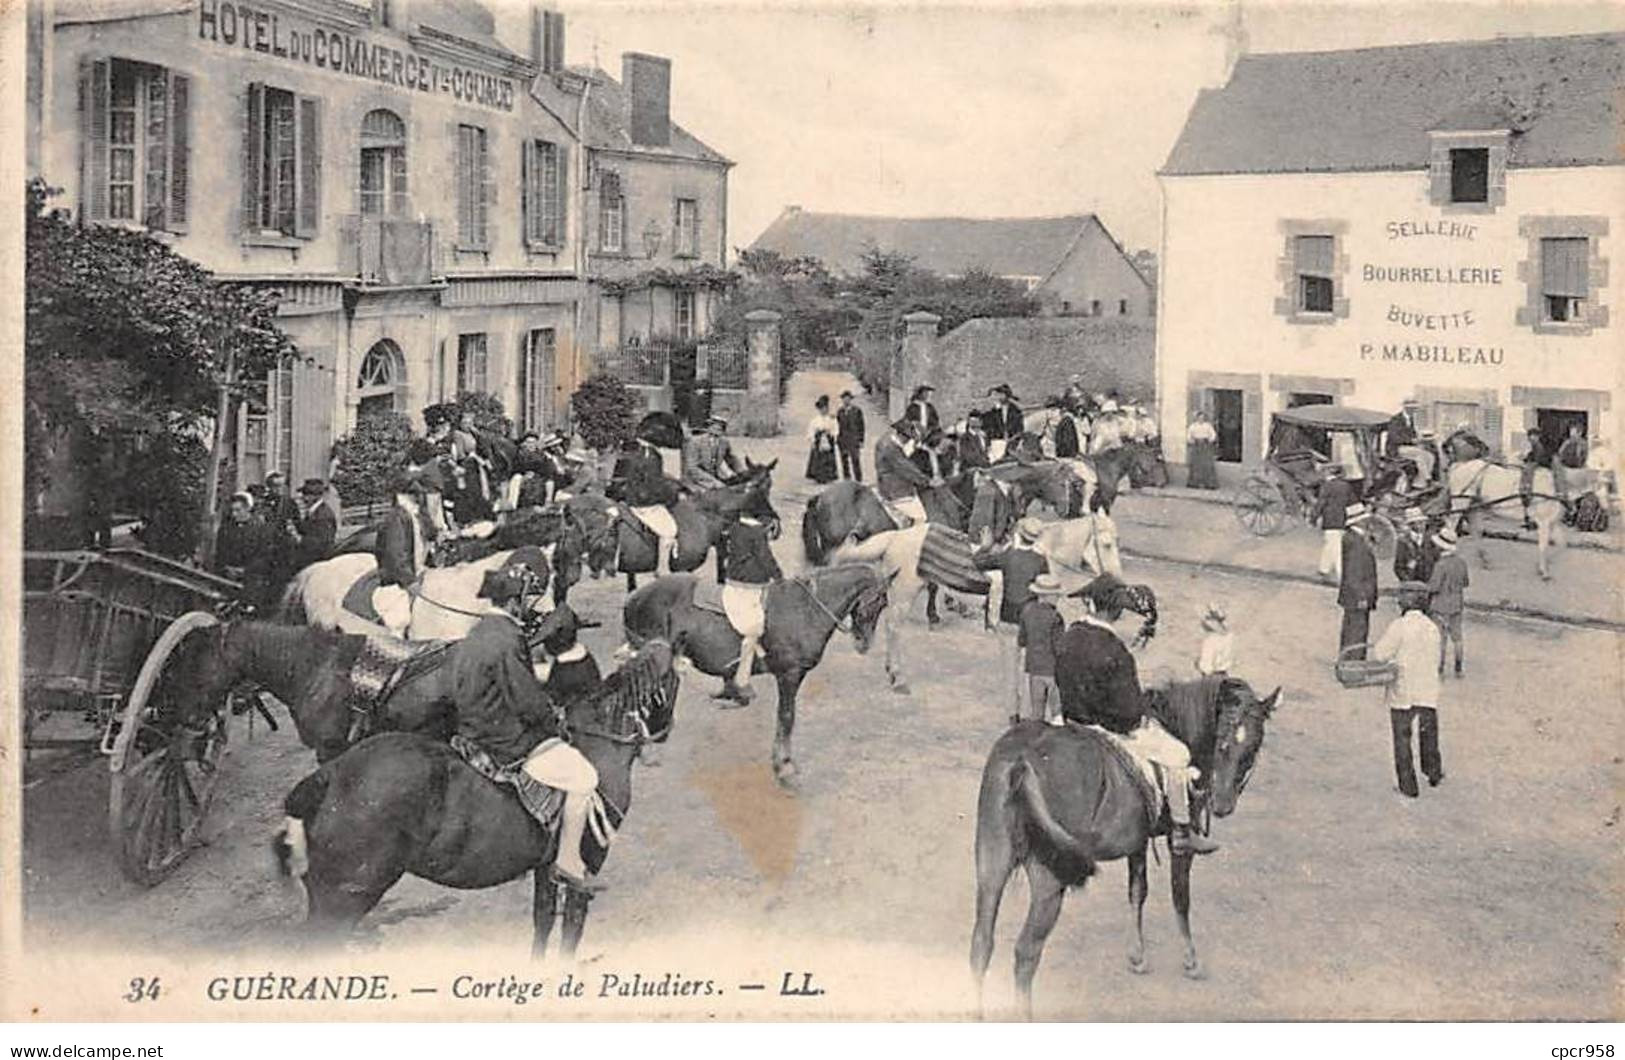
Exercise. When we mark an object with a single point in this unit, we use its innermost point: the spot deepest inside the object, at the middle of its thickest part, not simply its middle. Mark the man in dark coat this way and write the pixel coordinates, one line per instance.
(243, 551)
(1100, 685)
(1414, 554)
(1066, 434)
(972, 441)
(1004, 424)
(1357, 587)
(402, 550)
(640, 481)
(503, 709)
(1336, 494)
(849, 437)
(897, 479)
(1018, 565)
(921, 412)
(316, 528)
(749, 569)
(570, 672)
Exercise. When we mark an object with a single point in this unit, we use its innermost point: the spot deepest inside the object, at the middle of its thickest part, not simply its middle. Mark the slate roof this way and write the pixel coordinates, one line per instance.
(1372, 108)
(1023, 246)
(607, 123)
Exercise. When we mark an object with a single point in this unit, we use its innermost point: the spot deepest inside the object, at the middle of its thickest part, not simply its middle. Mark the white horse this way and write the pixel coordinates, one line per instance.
(1480, 489)
(445, 606)
(1072, 546)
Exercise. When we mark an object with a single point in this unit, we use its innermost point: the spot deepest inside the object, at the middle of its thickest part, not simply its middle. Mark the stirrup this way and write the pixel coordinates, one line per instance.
(580, 884)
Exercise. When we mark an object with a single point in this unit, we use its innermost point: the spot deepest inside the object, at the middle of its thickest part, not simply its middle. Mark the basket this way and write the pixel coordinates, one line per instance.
(1363, 673)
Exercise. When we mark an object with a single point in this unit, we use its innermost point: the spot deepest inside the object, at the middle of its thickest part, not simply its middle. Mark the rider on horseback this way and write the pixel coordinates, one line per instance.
(1105, 691)
(402, 551)
(897, 478)
(503, 709)
(750, 570)
(708, 460)
(640, 481)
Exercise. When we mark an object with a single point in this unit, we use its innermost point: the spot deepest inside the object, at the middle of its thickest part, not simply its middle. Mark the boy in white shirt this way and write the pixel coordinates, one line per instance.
(1413, 643)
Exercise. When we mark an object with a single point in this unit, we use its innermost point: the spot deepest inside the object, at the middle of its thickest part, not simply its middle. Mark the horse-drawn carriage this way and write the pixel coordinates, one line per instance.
(98, 630)
(1287, 487)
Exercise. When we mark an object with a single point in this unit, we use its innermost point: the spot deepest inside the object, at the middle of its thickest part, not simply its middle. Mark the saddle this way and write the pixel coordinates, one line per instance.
(544, 804)
(1146, 776)
(380, 666)
(358, 601)
(708, 596)
(945, 558)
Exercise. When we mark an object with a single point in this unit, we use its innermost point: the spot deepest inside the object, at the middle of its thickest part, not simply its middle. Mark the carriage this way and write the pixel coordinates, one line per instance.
(98, 630)
(1304, 444)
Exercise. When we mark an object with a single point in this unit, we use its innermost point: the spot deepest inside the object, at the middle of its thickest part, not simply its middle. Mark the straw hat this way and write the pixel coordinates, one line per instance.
(1047, 584)
(1445, 539)
(1355, 513)
(1214, 617)
(1029, 528)
(1415, 515)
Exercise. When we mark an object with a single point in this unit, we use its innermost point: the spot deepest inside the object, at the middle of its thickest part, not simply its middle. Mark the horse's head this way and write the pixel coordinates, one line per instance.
(636, 704)
(866, 612)
(1239, 735)
(1103, 550)
(758, 485)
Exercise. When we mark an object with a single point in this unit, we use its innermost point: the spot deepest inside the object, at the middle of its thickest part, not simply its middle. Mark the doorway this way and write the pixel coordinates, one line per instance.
(1227, 423)
(1553, 426)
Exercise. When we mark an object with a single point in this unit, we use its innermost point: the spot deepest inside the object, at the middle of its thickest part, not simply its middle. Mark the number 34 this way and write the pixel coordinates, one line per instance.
(143, 990)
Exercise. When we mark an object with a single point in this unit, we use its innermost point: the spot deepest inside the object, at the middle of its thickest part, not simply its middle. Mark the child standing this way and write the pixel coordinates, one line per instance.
(1218, 653)
(1039, 635)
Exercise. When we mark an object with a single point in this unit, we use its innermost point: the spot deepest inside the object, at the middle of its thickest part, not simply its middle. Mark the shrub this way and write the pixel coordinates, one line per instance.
(369, 456)
(164, 485)
(604, 409)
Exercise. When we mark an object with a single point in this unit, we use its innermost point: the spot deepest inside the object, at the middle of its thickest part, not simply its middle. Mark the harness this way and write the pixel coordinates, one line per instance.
(808, 584)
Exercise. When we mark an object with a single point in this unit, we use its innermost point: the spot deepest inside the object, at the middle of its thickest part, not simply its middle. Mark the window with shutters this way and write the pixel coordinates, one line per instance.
(383, 165)
(1312, 267)
(536, 377)
(282, 163)
(683, 308)
(471, 362)
(687, 241)
(473, 188)
(137, 157)
(1564, 274)
(611, 214)
(546, 193)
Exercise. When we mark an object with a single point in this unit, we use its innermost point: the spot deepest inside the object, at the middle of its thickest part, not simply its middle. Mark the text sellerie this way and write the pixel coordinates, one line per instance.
(269, 33)
(1419, 354)
(1436, 229)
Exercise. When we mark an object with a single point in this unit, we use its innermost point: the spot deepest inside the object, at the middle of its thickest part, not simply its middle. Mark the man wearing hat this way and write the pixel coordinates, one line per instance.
(1039, 637)
(1100, 685)
(1447, 586)
(640, 481)
(1414, 555)
(749, 571)
(316, 529)
(1357, 582)
(504, 710)
(1412, 643)
(1017, 567)
(708, 460)
(570, 672)
(243, 551)
(402, 550)
(897, 479)
(921, 412)
(1004, 424)
(1336, 494)
(849, 437)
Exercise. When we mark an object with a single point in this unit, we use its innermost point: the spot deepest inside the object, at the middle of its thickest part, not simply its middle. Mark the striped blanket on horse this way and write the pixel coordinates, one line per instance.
(945, 558)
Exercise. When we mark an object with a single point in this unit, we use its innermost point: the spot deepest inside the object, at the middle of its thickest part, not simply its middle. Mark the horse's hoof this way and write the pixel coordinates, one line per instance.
(1138, 965)
(788, 776)
(901, 688)
(1195, 971)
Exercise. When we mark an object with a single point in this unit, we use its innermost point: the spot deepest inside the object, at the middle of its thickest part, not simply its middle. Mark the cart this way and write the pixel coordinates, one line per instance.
(1285, 489)
(99, 629)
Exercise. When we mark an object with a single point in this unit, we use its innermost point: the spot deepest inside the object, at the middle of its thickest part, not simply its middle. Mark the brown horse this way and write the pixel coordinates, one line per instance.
(802, 614)
(1058, 800)
(399, 803)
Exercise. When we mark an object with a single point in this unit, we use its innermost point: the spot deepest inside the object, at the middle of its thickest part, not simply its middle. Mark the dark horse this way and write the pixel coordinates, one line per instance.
(1057, 800)
(701, 521)
(399, 803)
(802, 614)
(1138, 463)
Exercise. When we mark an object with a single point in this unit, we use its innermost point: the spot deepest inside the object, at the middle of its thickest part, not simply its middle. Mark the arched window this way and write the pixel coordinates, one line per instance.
(383, 165)
(379, 380)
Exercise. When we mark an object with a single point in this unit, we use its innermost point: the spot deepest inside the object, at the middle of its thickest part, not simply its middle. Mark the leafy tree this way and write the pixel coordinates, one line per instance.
(604, 408)
(126, 346)
(369, 456)
(489, 415)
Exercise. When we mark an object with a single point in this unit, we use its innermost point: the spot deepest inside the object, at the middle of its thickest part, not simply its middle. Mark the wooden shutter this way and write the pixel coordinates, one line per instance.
(1252, 426)
(1564, 266)
(676, 232)
(1493, 423)
(1313, 255)
(95, 90)
(312, 414)
(464, 168)
(561, 222)
(488, 185)
(180, 151)
(400, 202)
(253, 153)
(308, 164)
(528, 206)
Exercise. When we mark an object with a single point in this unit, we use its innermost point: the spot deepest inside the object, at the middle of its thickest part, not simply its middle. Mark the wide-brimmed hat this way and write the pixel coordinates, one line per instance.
(499, 586)
(1214, 615)
(847, 394)
(244, 496)
(312, 487)
(553, 440)
(1030, 528)
(1445, 538)
(1355, 513)
(907, 428)
(1108, 406)
(1046, 584)
(1002, 388)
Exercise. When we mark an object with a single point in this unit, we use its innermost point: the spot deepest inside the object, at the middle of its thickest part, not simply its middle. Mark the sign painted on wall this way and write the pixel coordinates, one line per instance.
(273, 33)
(1420, 266)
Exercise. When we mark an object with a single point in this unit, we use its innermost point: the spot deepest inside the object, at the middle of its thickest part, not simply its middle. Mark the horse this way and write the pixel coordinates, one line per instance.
(802, 614)
(399, 803)
(1055, 482)
(702, 521)
(1479, 489)
(1091, 542)
(1103, 473)
(1057, 800)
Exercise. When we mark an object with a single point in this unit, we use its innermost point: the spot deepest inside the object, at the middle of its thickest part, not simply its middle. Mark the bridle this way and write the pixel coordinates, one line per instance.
(628, 727)
(809, 585)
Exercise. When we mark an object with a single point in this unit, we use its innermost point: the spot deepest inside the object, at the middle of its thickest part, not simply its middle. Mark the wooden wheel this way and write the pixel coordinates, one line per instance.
(1384, 538)
(164, 771)
(1260, 507)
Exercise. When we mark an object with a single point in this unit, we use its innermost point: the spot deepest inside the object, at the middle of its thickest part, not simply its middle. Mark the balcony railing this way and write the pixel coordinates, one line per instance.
(389, 251)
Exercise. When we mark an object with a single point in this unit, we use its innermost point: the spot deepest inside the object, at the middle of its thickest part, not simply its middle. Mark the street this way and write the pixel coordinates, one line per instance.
(1494, 896)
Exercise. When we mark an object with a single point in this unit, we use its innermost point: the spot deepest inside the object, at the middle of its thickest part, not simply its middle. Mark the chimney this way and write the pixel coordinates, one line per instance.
(547, 39)
(647, 80)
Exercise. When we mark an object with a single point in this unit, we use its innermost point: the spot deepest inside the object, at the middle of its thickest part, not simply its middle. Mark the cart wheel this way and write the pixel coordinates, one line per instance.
(1384, 538)
(163, 773)
(1260, 507)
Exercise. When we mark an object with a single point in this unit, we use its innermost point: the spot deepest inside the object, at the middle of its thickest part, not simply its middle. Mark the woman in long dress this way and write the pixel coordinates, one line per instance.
(821, 437)
(1201, 446)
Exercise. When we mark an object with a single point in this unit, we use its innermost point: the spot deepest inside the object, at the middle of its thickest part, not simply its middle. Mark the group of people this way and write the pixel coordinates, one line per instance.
(266, 535)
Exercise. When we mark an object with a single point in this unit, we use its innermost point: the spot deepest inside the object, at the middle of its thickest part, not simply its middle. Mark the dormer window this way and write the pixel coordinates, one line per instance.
(1470, 174)
(1467, 171)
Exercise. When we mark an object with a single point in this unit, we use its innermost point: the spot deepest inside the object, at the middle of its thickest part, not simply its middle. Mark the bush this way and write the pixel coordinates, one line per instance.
(489, 415)
(604, 409)
(164, 485)
(369, 456)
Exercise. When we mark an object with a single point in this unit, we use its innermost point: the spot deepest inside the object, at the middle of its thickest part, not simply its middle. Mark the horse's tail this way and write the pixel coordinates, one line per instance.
(291, 608)
(302, 803)
(1075, 855)
(812, 538)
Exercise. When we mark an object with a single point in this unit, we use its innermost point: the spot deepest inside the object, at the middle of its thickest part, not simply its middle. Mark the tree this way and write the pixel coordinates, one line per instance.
(369, 456)
(603, 407)
(126, 348)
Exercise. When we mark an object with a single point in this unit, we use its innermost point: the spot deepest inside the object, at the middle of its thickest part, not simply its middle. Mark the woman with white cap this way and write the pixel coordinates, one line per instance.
(1217, 656)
